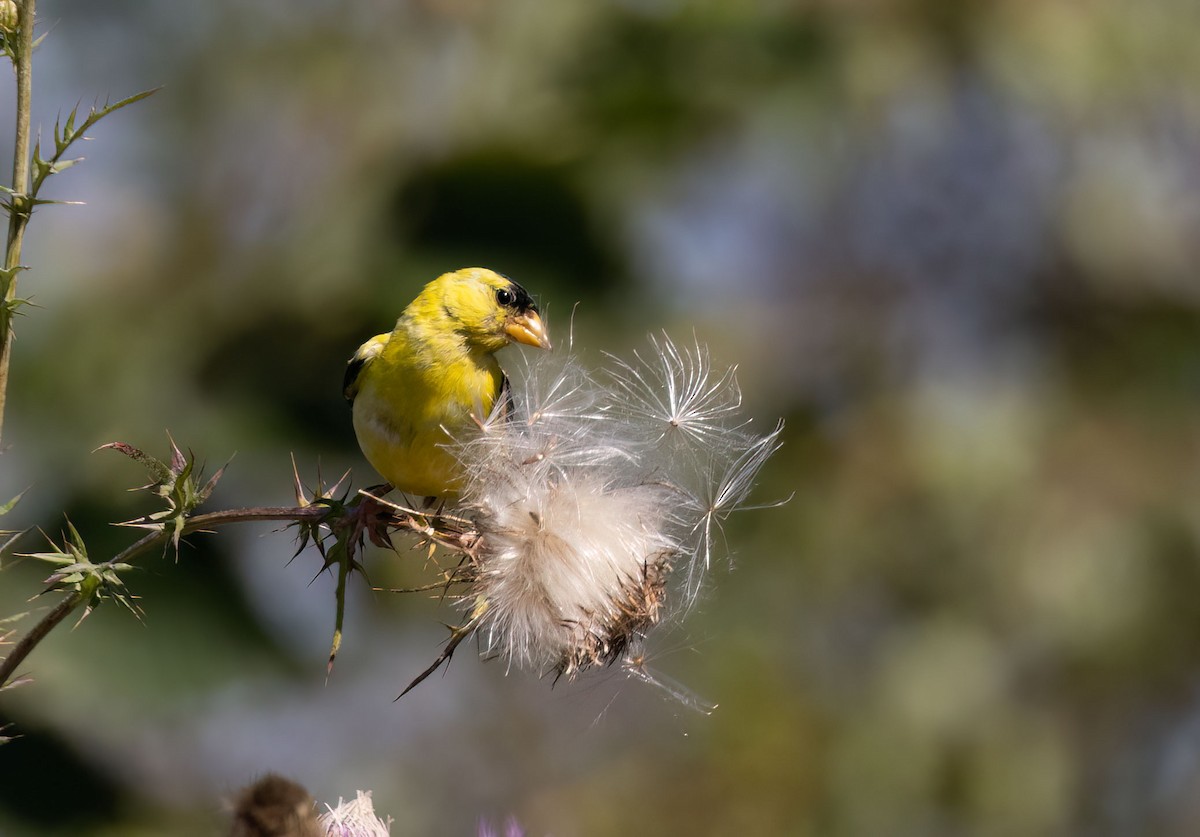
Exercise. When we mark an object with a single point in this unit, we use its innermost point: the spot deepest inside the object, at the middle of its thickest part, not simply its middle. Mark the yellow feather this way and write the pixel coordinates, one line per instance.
(435, 376)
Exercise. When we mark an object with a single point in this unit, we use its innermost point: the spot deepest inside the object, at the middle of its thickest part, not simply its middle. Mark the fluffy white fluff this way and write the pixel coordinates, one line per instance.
(593, 491)
(354, 818)
(570, 567)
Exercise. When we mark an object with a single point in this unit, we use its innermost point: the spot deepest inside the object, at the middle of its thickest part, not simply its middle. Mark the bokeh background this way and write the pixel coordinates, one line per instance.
(954, 243)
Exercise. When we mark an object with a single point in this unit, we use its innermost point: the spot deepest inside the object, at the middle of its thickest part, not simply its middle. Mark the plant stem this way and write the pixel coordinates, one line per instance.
(37, 633)
(198, 523)
(19, 216)
(218, 518)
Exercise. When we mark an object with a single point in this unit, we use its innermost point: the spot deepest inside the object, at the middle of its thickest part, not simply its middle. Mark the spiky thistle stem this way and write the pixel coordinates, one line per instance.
(156, 539)
(22, 54)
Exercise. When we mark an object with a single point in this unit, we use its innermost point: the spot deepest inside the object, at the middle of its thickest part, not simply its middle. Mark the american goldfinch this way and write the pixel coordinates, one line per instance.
(435, 376)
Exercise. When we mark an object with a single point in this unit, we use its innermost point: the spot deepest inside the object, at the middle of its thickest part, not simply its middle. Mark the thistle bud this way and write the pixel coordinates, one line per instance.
(10, 17)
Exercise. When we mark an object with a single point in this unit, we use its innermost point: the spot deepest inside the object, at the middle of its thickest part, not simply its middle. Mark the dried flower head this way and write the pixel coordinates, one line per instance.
(590, 495)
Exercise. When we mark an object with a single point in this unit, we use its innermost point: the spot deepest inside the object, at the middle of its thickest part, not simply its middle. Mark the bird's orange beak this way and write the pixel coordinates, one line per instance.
(529, 329)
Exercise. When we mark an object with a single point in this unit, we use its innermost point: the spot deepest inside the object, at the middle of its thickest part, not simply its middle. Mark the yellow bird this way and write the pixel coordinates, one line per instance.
(435, 376)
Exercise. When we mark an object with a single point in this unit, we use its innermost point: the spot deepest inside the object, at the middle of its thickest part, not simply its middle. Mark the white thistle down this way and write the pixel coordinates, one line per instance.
(594, 494)
(674, 395)
(354, 818)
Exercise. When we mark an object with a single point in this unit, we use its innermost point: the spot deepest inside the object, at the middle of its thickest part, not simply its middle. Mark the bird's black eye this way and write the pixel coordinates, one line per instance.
(505, 297)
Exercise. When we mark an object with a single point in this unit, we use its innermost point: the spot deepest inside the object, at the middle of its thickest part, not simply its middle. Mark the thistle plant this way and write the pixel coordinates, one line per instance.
(83, 583)
(593, 509)
(592, 514)
(18, 47)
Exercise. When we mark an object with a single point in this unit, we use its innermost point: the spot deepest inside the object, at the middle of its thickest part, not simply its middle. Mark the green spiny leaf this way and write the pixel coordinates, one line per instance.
(47, 202)
(203, 493)
(178, 482)
(75, 542)
(9, 536)
(62, 165)
(13, 306)
(338, 510)
(96, 116)
(113, 588)
(65, 133)
(74, 570)
(64, 137)
(11, 504)
(56, 555)
(104, 584)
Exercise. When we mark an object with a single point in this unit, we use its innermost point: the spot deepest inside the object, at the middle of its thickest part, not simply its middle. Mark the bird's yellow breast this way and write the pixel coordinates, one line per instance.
(414, 399)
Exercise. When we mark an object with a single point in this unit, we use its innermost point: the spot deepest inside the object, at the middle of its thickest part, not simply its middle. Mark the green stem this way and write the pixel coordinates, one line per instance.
(195, 524)
(340, 597)
(19, 217)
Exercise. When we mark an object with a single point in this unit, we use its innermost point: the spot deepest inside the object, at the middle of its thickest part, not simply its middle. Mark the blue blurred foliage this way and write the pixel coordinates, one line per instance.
(952, 243)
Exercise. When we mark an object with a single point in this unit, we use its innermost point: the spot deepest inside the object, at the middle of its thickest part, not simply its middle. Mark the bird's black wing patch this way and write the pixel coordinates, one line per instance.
(366, 353)
(350, 383)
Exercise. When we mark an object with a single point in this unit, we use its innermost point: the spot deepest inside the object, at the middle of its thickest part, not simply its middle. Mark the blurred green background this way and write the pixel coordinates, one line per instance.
(954, 244)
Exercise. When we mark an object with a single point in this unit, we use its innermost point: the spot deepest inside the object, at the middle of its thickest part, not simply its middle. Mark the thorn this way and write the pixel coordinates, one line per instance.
(457, 635)
(333, 651)
(301, 500)
(344, 478)
(177, 459)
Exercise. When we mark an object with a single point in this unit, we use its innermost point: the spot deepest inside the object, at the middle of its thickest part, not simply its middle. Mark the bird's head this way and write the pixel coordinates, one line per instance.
(490, 310)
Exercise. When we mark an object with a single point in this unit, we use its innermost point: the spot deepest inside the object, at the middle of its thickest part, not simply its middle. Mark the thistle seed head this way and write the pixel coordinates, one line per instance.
(592, 492)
